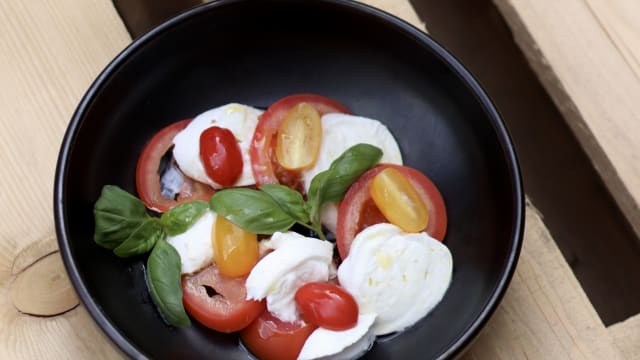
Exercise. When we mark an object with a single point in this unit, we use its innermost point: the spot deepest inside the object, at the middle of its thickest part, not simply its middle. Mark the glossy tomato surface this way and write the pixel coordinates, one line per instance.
(264, 162)
(218, 301)
(220, 155)
(148, 177)
(256, 52)
(327, 305)
(358, 210)
(268, 338)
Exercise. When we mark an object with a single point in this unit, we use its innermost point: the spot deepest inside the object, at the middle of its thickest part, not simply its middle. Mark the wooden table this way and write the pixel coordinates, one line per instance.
(51, 51)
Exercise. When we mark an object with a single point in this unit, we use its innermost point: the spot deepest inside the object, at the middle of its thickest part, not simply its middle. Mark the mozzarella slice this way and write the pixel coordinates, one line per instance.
(397, 275)
(238, 118)
(295, 261)
(339, 345)
(340, 132)
(194, 245)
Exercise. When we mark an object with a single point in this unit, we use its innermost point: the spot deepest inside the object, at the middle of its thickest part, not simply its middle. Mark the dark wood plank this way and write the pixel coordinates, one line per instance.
(559, 178)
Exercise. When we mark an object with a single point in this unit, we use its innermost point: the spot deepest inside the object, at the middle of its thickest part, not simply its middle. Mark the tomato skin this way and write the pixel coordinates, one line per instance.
(148, 179)
(262, 151)
(269, 338)
(326, 305)
(228, 310)
(235, 250)
(221, 155)
(358, 210)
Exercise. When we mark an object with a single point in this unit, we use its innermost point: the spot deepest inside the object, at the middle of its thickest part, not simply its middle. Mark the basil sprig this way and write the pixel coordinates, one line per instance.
(124, 226)
(277, 207)
(180, 218)
(163, 278)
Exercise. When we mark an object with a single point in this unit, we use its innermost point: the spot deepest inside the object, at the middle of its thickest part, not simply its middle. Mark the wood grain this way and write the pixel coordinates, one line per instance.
(586, 54)
(53, 49)
(545, 314)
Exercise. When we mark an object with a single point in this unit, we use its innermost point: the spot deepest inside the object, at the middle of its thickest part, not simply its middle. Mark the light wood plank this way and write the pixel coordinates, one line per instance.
(545, 314)
(51, 51)
(586, 55)
(626, 336)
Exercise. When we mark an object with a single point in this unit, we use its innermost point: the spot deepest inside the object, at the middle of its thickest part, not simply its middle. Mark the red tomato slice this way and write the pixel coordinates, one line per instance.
(148, 179)
(328, 306)
(358, 210)
(227, 310)
(264, 163)
(268, 338)
(220, 155)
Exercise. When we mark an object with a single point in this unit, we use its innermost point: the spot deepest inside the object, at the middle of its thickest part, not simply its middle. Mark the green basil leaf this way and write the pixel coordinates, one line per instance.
(346, 169)
(117, 214)
(163, 278)
(316, 194)
(252, 210)
(141, 239)
(331, 184)
(180, 218)
(289, 200)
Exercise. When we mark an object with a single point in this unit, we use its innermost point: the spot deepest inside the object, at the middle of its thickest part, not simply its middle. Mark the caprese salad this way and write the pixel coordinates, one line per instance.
(297, 227)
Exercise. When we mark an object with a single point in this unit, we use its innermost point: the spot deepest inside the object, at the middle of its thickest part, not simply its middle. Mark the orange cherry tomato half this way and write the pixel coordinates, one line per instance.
(264, 163)
(327, 305)
(399, 201)
(221, 155)
(148, 180)
(235, 250)
(358, 210)
(299, 137)
(218, 301)
(269, 338)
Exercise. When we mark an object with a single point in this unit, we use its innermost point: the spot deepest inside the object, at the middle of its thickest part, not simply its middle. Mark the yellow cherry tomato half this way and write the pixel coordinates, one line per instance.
(299, 137)
(235, 250)
(399, 201)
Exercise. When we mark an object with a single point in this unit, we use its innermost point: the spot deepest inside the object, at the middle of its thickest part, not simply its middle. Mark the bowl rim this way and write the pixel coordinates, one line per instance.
(518, 201)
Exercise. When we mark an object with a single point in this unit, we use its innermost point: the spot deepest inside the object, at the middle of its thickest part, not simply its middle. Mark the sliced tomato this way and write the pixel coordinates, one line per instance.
(358, 209)
(220, 155)
(264, 163)
(218, 301)
(148, 178)
(327, 305)
(269, 338)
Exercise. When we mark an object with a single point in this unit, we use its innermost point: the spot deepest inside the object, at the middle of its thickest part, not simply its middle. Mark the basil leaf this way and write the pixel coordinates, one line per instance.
(180, 218)
(142, 239)
(163, 278)
(117, 214)
(316, 194)
(346, 169)
(290, 201)
(252, 210)
(331, 184)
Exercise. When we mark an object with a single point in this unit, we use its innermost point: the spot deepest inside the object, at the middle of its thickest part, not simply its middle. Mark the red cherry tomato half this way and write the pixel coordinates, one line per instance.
(358, 210)
(218, 302)
(220, 155)
(328, 306)
(148, 179)
(269, 338)
(266, 169)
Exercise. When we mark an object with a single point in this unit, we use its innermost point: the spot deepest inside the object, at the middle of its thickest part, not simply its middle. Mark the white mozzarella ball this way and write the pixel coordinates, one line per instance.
(295, 261)
(339, 133)
(340, 345)
(397, 275)
(240, 119)
(194, 245)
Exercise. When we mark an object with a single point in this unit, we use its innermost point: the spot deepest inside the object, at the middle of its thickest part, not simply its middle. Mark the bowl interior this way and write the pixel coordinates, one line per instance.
(255, 52)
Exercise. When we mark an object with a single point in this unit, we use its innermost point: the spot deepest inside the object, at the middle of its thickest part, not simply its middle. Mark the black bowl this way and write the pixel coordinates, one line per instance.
(255, 52)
